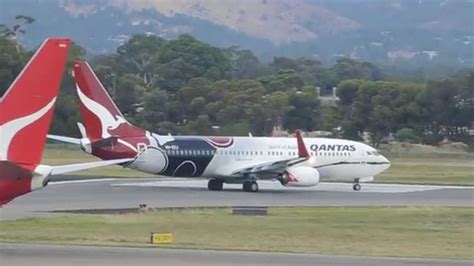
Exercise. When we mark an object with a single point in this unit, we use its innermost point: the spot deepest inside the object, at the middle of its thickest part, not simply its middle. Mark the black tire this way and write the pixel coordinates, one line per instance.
(356, 187)
(215, 184)
(250, 186)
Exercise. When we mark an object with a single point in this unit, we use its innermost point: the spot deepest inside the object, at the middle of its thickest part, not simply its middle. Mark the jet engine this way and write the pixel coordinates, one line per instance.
(300, 176)
(151, 160)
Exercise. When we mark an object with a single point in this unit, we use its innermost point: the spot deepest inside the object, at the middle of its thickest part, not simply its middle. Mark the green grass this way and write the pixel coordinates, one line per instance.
(458, 171)
(420, 170)
(434, 232)
(68, 155)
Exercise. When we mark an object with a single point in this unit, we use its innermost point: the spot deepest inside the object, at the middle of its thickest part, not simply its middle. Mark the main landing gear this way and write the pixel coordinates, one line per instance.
(215, 184)
(250, 186)
(356, 185)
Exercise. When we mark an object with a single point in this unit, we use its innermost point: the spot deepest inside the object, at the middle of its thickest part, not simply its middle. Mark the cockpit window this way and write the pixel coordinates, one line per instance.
(369, 153)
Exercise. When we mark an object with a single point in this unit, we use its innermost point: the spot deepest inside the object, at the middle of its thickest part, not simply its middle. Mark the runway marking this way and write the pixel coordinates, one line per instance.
(271, 185)
(81, 181)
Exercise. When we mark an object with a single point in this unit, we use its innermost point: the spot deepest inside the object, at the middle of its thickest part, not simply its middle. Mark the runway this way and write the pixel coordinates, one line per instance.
(49, 255)
(115, 193)
(162, 192)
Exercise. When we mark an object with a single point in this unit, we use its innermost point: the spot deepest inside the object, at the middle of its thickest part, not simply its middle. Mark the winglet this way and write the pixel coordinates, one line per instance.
(302, 151)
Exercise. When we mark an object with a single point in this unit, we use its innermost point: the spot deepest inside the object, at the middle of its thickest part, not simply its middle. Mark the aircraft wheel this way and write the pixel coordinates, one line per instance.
(250, 186)
(356, 187)
(215, 184)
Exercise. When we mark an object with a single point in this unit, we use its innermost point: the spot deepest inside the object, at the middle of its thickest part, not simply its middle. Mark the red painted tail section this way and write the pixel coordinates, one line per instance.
(27, 107)
(14, 181)
(102, 119)
(302, 151)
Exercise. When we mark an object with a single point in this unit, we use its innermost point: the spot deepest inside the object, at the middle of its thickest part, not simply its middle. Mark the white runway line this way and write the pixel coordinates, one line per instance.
(81, 181)
(270, 185)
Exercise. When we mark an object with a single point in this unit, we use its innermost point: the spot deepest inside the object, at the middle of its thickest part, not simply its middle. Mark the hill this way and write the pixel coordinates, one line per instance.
(391, 31)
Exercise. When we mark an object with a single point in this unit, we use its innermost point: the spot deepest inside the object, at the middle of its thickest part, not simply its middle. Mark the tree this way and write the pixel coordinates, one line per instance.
(347, 91)
(347, 68)
(140, 54)
(284, 80)
(14, 32)
(11, 62)
(304, 112)
(244, 64)
(155, 109)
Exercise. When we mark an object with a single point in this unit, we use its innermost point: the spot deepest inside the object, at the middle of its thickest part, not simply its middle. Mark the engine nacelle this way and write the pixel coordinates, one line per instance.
(151, 160)
(300, 176)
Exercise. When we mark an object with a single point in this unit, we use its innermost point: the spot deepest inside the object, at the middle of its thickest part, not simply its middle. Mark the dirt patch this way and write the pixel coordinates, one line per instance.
(453, 146)
(444, 147)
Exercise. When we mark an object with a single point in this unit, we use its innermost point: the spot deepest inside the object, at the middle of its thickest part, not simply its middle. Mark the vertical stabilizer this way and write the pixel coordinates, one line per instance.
(101, 117)
(27, 107)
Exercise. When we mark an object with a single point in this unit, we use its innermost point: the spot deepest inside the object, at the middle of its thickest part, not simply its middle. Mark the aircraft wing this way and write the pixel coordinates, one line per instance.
(62, 169)
(277, 167)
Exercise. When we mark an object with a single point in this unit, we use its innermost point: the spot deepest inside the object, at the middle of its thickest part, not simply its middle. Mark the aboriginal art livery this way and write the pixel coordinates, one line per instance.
(291, 161)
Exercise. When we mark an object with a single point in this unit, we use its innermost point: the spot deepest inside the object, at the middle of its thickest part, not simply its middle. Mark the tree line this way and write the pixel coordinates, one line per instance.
(185, 86)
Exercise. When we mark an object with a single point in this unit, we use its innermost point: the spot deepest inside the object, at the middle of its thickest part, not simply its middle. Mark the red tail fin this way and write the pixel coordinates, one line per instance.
(302, 151)
(102, 119)
(27, 107)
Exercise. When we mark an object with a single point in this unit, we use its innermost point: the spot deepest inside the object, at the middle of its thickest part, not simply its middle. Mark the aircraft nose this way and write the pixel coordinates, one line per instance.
(386, 161)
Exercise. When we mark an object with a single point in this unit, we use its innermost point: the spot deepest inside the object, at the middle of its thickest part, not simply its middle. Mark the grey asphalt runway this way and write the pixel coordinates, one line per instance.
(129, 193)
(46, 255)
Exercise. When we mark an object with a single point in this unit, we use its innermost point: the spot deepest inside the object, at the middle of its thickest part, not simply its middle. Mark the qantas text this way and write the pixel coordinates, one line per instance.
(332, 147)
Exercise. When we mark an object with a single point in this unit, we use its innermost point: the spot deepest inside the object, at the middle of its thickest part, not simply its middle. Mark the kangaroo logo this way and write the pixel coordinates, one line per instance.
(9, 130)
(107, 120)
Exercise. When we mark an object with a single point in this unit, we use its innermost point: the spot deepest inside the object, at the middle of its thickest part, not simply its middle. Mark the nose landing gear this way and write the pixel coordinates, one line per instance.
(356, 185)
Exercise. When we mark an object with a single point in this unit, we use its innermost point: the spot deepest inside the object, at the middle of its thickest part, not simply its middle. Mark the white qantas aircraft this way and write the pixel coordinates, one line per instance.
(25, 115)
(245, 160)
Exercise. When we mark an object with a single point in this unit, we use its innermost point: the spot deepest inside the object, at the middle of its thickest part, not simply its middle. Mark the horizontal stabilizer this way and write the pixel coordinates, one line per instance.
(62, 169)
(64, 139)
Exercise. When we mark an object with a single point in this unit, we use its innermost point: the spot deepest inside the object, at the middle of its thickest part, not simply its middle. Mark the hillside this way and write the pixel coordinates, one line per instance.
(401, 31)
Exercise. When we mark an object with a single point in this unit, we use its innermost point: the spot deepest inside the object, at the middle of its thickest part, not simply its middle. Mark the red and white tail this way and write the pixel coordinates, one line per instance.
(27, 107)
(102, 119)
